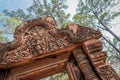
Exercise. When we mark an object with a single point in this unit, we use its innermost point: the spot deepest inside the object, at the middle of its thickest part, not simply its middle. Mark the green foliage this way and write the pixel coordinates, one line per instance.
(8, 26)
(19, 14)
(82, 19)
(103, 8)
(10, 23)
(103, 15)
(40, 8)
(115, 14)
(3, 39)
(0, 14)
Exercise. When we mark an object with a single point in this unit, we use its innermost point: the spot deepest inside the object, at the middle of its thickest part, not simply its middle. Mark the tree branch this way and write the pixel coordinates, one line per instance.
(101, 28)
(112, 45)
(106, 27)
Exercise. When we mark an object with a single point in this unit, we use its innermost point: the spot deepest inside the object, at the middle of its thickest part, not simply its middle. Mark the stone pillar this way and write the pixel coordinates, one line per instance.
(84, 65)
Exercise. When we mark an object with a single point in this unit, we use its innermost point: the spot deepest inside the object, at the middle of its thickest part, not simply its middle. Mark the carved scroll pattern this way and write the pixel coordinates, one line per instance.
(93, 48)
(84, 65)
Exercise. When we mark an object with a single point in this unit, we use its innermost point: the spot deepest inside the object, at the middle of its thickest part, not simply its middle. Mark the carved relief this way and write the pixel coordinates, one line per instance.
(108, 73)
(75, 33)
(84, 65)
(93, 49)
(38, 37)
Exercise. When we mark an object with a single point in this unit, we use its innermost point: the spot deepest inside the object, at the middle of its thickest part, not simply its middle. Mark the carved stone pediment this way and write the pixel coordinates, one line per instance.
(40, 36)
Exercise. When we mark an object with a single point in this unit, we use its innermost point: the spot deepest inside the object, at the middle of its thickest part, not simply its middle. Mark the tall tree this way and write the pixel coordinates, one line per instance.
(98, 14)
(55, 8)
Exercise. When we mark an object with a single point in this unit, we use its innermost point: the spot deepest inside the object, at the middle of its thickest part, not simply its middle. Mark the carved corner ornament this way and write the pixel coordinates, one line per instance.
(38, 38)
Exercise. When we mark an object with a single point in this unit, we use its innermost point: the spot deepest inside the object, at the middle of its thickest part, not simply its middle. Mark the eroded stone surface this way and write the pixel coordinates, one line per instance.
(39, 36)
